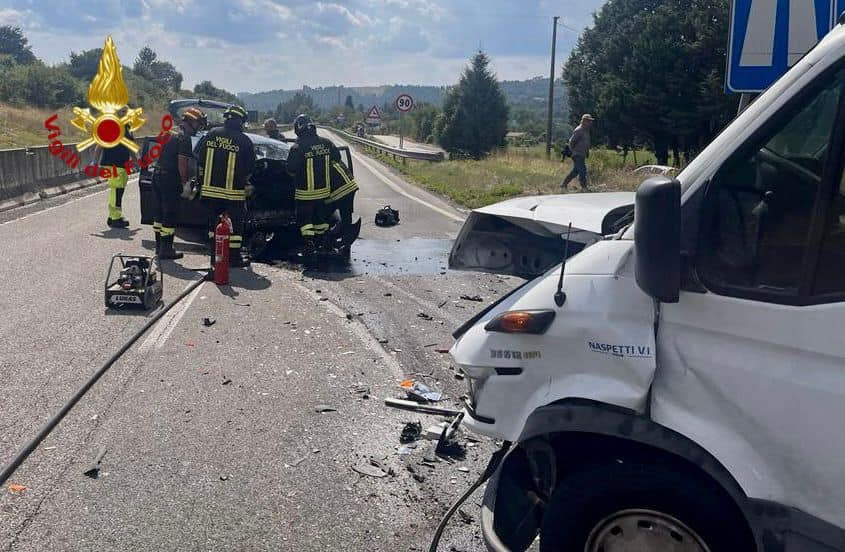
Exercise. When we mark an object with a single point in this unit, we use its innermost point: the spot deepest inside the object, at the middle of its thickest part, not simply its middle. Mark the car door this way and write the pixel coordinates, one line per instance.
(752, 358)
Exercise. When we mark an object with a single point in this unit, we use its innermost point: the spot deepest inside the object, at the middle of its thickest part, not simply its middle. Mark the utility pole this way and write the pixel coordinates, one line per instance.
(551, 90)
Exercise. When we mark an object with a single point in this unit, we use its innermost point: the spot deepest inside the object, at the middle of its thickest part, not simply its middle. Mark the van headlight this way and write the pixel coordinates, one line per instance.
(523, 321)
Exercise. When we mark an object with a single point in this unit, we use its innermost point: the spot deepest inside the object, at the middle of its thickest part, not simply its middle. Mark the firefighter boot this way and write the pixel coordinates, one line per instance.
(166, 250)
(236, 259)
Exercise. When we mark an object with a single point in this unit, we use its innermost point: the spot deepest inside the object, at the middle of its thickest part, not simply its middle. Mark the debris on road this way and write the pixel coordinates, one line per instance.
(451, 449)
(465, 517)
(443, 304)
(387, 216)
(476, 298)
(411, 432)
(463, 469)
(388, 294)
(361, 389)
(421, 408)
(16, 488)
(425, 316)
(441, 350)
(368, 470)
(226, 381)
(417, 476)
(324, 408)
(419, 391)
(382, 340)
(224, 478)
(208, 322)
(434, 432)
(406, 449)
(429, 345)
(93, 470)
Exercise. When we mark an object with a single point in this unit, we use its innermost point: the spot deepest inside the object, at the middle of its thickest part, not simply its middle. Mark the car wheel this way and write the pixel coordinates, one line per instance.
(626, 507)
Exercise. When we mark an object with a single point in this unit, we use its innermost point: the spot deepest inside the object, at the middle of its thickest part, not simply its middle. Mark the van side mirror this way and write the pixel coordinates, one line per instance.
(657, 238)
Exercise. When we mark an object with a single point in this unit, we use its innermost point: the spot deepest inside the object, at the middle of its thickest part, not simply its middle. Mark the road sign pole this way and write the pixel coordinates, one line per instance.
(401, 130)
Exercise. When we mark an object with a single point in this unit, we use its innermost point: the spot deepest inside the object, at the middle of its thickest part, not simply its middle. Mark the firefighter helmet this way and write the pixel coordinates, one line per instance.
(234, 111)
(302, 124)
(195, 115)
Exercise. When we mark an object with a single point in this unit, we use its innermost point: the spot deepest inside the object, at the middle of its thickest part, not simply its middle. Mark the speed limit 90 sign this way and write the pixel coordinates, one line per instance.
(404, 102)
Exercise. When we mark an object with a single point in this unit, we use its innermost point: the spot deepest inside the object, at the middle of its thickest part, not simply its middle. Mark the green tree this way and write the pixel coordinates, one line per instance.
(85, 64)
(207, 90)
(475, 113)
(287, 111)
(424, 116)
(611, 73)
(41, 86)
(144, 62)
(14, 43)
(162, 73)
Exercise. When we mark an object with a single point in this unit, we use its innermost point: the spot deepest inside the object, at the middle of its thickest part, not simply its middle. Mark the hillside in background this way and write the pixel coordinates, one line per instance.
(527, 99)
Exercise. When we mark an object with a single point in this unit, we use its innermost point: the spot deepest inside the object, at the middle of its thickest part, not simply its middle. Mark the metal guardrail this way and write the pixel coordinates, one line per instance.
(387, 150)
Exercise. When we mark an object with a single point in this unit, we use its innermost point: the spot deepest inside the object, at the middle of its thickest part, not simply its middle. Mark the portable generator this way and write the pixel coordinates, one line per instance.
(134, 281)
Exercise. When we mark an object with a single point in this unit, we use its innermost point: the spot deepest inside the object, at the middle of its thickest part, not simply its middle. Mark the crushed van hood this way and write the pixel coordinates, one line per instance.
(526, 236)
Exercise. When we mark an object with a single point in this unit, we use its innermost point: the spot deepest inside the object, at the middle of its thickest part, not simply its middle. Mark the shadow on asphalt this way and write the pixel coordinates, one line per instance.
(136, 312)
(122, 234)
(243, 278)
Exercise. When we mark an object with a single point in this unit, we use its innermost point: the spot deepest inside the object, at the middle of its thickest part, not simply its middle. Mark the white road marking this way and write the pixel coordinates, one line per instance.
(435, 311)
(398, 189)
(160, 333)
(358, 329)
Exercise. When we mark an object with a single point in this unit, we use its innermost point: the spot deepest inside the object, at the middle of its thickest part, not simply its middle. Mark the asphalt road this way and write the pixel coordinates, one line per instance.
(212, 437)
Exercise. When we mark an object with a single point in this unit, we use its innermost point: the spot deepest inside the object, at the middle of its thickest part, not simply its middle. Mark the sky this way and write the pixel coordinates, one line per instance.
(256, 45)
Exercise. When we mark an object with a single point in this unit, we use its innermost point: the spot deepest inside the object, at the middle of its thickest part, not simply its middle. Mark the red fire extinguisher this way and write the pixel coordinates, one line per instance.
(221, 250)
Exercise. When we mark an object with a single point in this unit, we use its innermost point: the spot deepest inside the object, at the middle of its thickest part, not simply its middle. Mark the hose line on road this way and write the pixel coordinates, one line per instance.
(492, 466)
(51, 424)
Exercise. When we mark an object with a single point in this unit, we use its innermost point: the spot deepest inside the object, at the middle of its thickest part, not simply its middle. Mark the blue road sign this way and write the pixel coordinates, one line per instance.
(767, 37)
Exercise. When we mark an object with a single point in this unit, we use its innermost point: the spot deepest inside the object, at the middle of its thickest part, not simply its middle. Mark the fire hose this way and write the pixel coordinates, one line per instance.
(51, 424)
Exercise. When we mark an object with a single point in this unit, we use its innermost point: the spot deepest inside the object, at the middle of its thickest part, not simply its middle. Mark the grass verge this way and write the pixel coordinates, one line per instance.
(517, 172)
(24, 126)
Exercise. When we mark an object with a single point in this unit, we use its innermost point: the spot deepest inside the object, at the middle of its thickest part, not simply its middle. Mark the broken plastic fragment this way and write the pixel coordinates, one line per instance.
(16, 488)
(419, 391)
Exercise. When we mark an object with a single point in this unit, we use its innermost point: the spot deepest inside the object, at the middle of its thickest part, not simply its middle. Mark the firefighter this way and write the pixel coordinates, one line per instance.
(309, 161)
(226, 158)
(342, 195)
(171, 181)
(116, 158)
(272, 130)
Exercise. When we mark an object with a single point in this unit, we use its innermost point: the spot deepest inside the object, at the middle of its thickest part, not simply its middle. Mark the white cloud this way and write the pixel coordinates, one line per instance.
(9, 16)
(252, 45)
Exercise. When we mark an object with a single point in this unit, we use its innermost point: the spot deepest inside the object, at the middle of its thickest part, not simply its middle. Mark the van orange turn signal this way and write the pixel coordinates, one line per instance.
(525, 322)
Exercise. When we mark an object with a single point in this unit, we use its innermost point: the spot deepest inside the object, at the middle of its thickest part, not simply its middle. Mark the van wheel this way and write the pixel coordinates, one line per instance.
(626, 507)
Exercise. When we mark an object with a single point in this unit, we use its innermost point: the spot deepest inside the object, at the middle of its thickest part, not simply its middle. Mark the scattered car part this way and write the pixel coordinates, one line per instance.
(421, 408)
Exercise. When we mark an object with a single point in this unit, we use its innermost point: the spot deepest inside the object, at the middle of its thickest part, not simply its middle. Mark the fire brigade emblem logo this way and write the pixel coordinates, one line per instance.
(108, 97)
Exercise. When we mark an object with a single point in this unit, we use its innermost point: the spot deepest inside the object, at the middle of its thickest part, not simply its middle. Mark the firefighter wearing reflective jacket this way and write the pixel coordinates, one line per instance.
(171, 180)
(225, 160)
(342, 195)
(309, 161)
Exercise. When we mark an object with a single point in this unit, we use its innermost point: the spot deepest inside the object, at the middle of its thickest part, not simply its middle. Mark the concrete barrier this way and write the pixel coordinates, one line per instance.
(35, 169)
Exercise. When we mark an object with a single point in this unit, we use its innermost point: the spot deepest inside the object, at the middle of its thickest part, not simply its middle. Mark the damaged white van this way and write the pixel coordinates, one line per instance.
(679, 384)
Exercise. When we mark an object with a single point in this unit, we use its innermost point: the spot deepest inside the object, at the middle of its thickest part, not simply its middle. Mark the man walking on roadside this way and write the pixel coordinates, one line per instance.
(579, 144)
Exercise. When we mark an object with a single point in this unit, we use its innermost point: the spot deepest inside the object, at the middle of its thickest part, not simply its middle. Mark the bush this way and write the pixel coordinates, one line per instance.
(41, 86)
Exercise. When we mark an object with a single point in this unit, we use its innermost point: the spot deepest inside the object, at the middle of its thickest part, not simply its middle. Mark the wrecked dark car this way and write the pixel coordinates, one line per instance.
(270, 231)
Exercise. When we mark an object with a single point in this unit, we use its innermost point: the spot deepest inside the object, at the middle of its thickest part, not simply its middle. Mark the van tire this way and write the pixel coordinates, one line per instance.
(584, 501)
